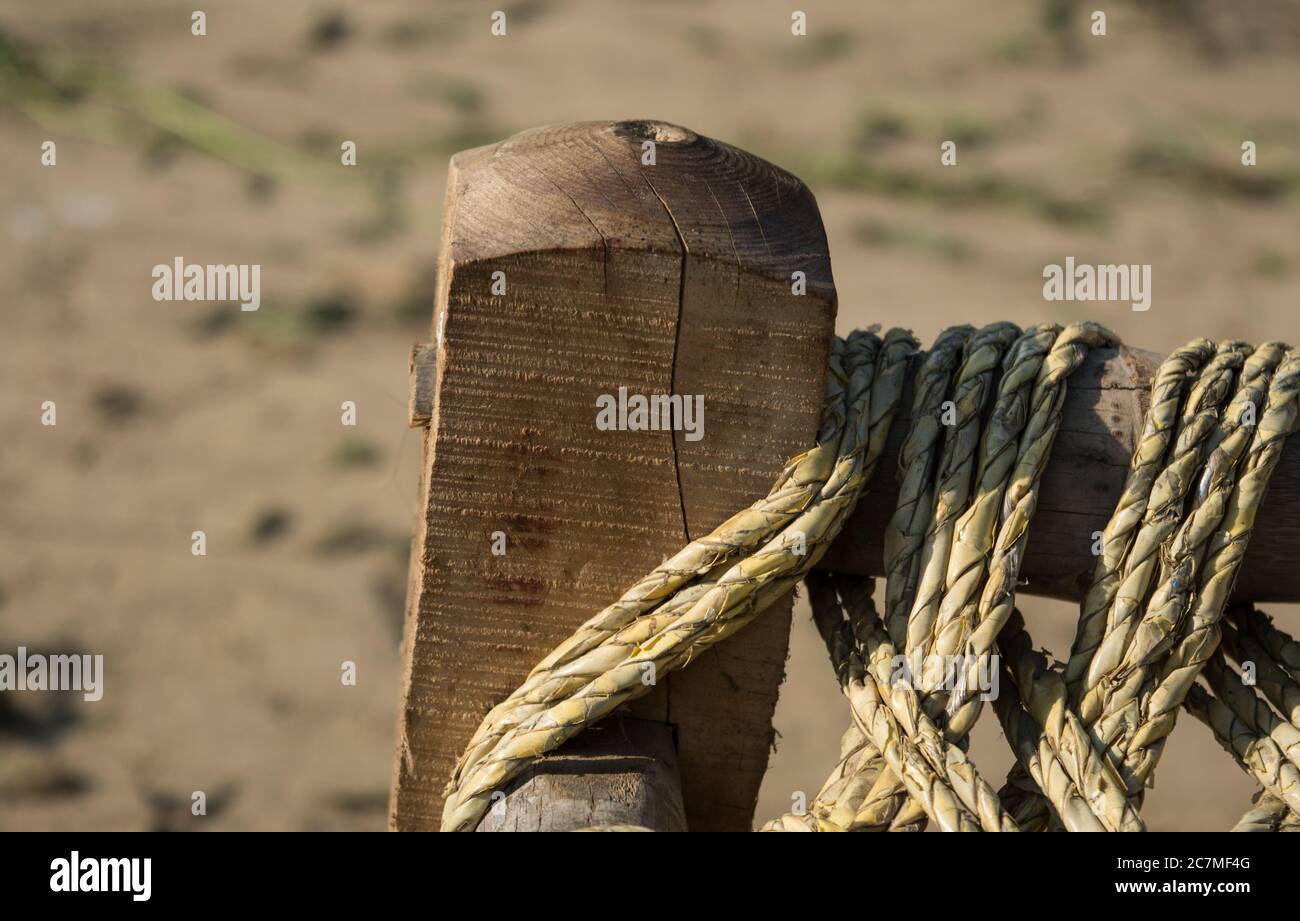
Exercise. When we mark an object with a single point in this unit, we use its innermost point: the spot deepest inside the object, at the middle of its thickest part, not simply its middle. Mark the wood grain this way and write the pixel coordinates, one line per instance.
(665, 278)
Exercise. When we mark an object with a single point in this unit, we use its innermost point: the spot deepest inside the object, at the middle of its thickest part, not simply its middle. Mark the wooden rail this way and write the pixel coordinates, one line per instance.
(1104, 412)
(1105, 409)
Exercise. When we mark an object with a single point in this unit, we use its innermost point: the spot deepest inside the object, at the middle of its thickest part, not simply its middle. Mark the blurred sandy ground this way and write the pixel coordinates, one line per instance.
(223, 671)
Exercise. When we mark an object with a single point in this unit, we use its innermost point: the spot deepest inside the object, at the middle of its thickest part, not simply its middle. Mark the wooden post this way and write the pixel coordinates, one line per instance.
(1105, 408)
(575, 261)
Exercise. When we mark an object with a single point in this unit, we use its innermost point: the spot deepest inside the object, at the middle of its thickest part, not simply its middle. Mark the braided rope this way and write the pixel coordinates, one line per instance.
(934, 771)
(1268, 813)
(981, 567)
(1088, 733)
(923, 522)
(1156, 653)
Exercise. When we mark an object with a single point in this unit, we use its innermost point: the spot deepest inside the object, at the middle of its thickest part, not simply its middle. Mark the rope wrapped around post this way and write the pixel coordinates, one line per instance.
(1087, 733)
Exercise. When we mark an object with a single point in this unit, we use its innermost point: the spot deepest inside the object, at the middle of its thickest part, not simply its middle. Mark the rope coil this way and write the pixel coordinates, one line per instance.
(1088, 733)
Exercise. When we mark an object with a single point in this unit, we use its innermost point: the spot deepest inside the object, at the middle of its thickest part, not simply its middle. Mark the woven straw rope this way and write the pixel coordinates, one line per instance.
(1087, 734)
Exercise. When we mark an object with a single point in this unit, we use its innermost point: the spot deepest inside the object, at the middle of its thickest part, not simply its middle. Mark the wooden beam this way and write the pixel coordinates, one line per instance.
(620, 772)
(577, 260)
(1105, 408)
